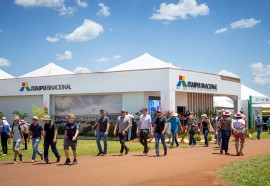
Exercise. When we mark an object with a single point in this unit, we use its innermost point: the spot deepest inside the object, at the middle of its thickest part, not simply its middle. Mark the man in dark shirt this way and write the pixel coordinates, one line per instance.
(103, 125)
(35, 130)
(50, 137)
(70, 138)
(159, 130)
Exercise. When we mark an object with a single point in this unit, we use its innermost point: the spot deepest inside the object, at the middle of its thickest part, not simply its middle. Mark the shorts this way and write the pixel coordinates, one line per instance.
(72, 144)
(16, 145)
(239, 135)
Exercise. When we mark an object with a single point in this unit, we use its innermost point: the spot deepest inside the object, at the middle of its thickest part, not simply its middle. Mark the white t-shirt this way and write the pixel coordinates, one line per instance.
(17, 133)
(145, 121)
(237, 123)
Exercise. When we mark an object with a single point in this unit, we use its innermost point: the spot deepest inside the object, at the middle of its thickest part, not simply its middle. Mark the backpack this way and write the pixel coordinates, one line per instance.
(19, 127)
(258, 122)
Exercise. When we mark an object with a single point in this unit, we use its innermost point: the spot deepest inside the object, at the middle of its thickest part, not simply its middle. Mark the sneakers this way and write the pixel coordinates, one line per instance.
(75, 162)
(14, 161)
(171, 146)
(157, 155)
(20, 156)
(46, 162)
(99, 154)
(32, 161)
(126, 152)
(67, 161)
(165, 152)
(177, 145)
(58, 159)
(41, 156)
(121, 154)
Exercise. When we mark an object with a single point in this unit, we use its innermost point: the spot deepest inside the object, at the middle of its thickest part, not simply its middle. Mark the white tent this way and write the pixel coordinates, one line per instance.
(48, 70)
(246, 92)
(144, 61)
(5, 75)
(223, 102)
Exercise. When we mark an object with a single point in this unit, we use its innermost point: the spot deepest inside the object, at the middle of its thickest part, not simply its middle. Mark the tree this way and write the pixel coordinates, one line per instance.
(21, 115)
(39, 111)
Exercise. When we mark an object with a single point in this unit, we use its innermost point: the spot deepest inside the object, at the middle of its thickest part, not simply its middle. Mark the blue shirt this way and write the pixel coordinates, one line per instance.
(174, 123)
(71, 129)
(5, 130)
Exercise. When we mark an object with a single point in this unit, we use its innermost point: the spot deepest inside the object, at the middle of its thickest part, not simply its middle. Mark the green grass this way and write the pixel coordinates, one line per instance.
(84, 148)
(251, 172)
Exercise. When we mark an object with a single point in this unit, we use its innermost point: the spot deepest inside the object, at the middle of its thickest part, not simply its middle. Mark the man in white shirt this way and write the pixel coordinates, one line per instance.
(144, 128)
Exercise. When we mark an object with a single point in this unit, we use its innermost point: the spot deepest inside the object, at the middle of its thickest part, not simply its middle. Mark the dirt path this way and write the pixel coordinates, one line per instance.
(182, 166)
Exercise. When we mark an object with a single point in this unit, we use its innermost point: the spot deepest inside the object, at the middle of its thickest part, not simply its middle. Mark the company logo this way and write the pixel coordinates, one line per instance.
(182, 81)
(191, 84)
(25, 86)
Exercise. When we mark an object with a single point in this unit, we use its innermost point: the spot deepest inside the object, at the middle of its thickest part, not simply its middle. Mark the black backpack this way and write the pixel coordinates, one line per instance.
(19, 127)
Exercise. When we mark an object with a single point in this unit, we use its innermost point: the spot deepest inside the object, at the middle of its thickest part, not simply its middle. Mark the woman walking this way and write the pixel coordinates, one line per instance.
(225, 124)
(205, 126)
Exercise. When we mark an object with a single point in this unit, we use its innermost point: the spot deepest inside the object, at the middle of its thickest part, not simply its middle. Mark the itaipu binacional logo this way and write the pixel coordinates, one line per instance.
(25, 86)
(182, 81)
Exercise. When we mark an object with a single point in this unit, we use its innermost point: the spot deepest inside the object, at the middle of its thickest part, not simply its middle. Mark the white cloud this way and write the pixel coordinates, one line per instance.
(227, 73)
(261, 73)
(52, 39)
(4, 62)
(82, 4)
(116, 57)
(66, 10)
(245, 23)
(79, 70)
(221, 30)
(104, 11)
(67, 55)
(102, 59)
(40, 3)
(182, 10)
(87, 31)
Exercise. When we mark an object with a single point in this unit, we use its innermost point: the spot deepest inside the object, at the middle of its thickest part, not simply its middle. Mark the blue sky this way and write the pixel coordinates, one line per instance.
(230, 37)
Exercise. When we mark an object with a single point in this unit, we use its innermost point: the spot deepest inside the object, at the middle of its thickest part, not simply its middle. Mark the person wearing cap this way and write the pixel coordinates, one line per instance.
(25, 130)
(259, 125)
(192, 128)
(225, 125)
(17, 134)
(175, 125)
(238, 127)
(205, 128)
(102, 131)
(123, 124)
(70, 138)
(144, 128)
(50, 138)
(5, 134)
(36, 131)
(160, 128)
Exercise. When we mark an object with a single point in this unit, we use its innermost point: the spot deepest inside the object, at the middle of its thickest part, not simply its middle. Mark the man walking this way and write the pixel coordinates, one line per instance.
(258, 124)
(144, 128)
(50, 138)
(175, 124)
(17, 134)
(5, 134)
(36, 131)
(123, 124)
(70, 138)
(159, 130)
(102, 131)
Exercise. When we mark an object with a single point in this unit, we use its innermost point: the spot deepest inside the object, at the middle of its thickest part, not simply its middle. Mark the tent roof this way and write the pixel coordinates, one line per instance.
(5, 75)
(223, 101)
(246, 92)
(144, 61)
(48, 70)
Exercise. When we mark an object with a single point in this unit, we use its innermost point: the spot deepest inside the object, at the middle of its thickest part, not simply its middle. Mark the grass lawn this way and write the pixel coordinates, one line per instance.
(252, 172)
(84, 148)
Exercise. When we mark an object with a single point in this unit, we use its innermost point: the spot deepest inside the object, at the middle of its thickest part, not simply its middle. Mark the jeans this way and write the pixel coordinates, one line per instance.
(157, 138)
(143, 139)
(4, 140)
(46, 149)
(192, 140)
(225, 136)
(219, 138)
(205, 134)
(25, 135)
(105, 138)
(174, 139)
(122, 139)
(259, 132)
(35, 143)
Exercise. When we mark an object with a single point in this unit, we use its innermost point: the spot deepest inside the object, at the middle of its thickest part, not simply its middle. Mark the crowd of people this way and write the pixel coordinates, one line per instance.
(220, 124)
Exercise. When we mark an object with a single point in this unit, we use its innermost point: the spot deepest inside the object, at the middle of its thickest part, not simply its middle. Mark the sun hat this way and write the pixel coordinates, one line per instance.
(238, 115)
(173, 114)
(35, 117)
(23, 121)
(204, 115)
(46, 117)
(4, 118)
(227, 113)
